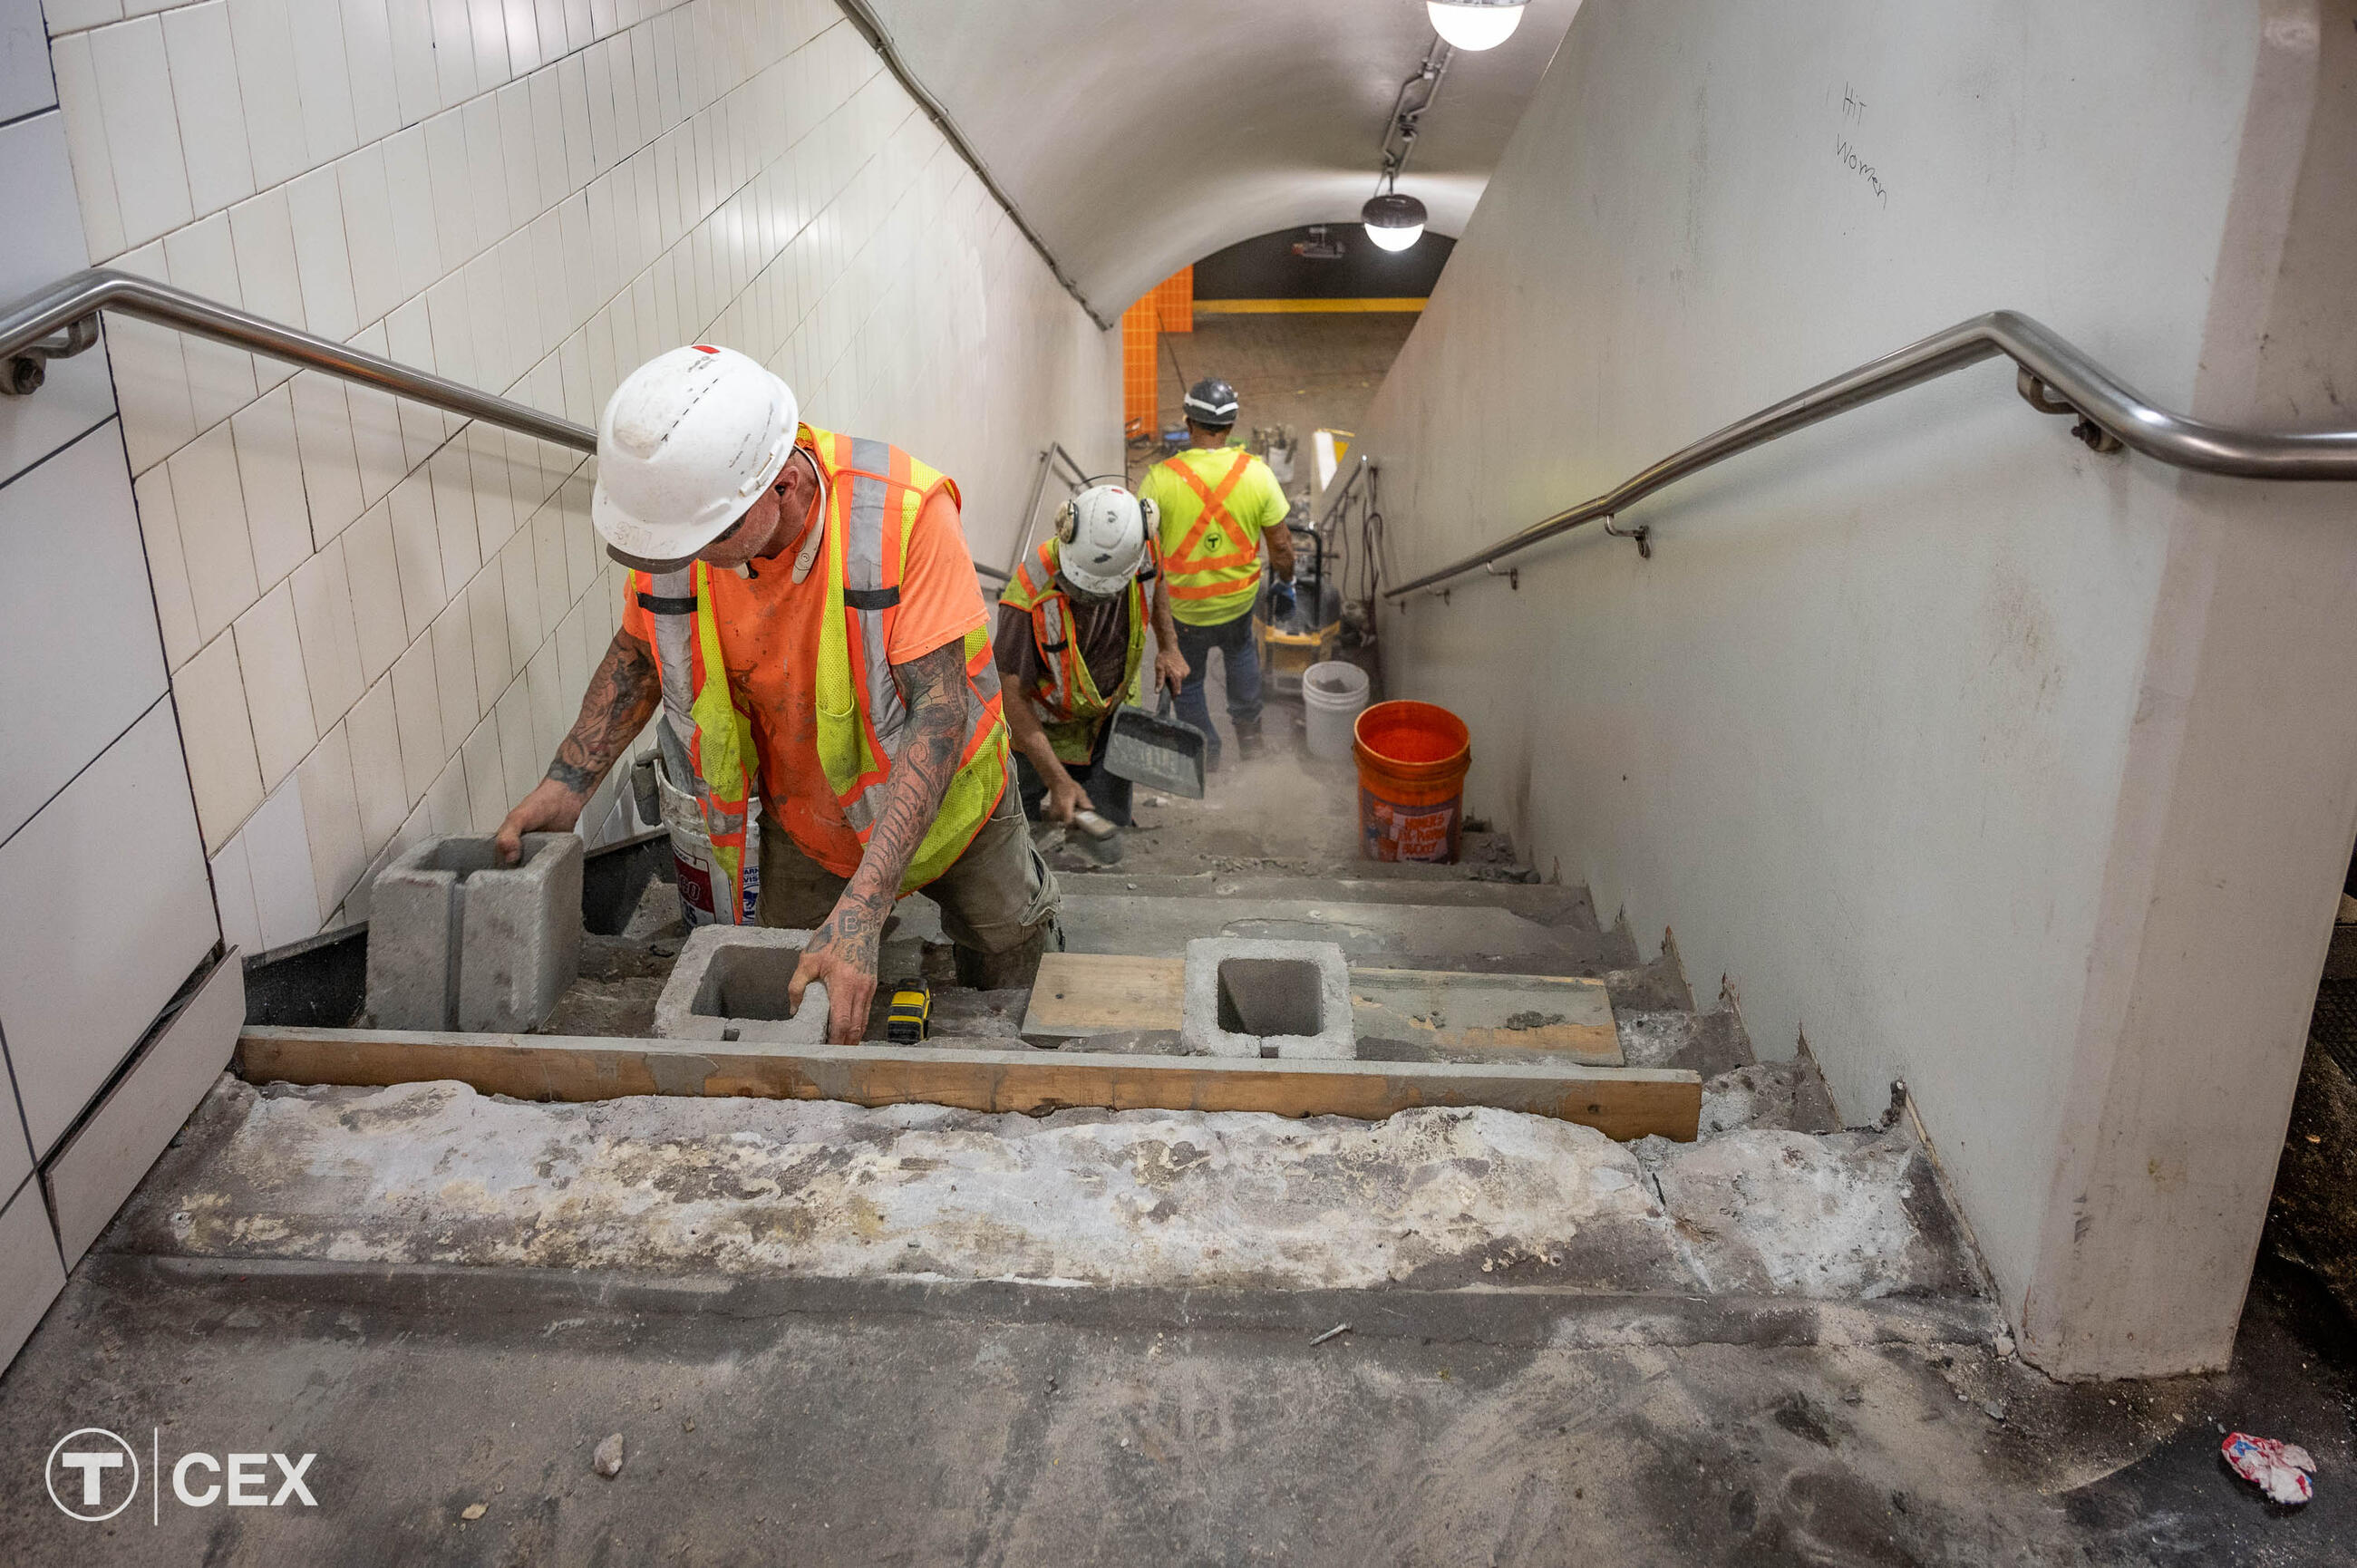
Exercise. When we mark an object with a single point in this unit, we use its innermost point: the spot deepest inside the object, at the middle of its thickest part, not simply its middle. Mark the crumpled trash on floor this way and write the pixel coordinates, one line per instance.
(2276, 1468)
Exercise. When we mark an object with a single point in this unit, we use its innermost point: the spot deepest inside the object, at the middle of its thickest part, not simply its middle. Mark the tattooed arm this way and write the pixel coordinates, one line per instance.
(841, 955)
(1170, 664)
(622, 695)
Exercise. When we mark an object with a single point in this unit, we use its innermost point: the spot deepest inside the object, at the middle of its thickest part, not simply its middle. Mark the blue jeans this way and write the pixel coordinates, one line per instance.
(1240, 652)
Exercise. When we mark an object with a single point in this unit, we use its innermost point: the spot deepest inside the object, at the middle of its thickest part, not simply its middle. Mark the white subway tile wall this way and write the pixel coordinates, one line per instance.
(379, 619)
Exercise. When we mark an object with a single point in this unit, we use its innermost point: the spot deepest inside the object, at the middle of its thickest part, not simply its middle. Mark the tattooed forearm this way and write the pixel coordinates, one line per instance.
(934, 687)
(621, 697)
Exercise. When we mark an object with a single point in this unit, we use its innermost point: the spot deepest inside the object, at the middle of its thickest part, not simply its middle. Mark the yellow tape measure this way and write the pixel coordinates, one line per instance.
(912, 1012)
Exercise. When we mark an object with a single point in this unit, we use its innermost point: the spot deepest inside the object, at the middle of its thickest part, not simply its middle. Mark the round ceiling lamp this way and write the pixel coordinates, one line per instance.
(1475, 23)
(1394, 221)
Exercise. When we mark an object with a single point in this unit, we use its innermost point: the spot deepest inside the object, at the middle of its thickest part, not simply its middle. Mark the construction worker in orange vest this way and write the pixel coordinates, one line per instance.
(803, 611)
(1070, 644)
(1220, 505)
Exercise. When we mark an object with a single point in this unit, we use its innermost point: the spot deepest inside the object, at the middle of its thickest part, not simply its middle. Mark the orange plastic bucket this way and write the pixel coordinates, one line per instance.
(1411, 762)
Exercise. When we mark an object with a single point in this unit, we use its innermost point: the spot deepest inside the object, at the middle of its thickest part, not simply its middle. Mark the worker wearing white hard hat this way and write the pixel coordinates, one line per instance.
(1071, 648)
(802, 609)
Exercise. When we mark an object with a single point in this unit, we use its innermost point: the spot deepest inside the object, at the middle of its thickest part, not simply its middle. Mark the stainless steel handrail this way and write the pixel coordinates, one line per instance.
(1343, 492)
(30, 329)
(2055, 377)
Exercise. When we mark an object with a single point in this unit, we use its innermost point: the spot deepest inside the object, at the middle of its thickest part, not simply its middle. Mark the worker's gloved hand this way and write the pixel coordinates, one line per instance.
(1065, 798)
(841, 956)
(1280, 601)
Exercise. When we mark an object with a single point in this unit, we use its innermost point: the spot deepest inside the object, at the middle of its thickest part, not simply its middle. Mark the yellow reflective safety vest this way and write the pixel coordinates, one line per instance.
(875, 492)
(1071, 709)
(1212, 554)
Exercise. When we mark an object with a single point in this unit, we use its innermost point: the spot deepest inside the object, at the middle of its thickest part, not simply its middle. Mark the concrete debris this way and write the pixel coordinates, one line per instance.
(474, 1511)
(1847, 1215)
(608, 1460)
(1787, 1095)
(2004, 1345)
(435, 1172)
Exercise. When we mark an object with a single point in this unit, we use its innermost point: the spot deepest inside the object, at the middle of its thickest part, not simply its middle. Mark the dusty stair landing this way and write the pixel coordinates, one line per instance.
(1430, 1199)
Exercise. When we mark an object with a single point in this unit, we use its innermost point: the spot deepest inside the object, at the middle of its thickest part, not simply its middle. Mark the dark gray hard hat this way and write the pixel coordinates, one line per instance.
(1210, 403)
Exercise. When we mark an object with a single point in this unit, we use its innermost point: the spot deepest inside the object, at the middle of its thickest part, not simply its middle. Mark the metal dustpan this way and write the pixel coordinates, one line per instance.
(1157, 750)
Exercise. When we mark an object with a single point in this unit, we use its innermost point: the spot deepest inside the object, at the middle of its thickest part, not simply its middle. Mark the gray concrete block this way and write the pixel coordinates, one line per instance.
(457, 942)
(731, 984)
(1251, 998)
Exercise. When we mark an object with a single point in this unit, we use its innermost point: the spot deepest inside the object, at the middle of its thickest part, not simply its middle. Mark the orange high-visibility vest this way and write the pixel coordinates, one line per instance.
(1072, 708)
(875, 492)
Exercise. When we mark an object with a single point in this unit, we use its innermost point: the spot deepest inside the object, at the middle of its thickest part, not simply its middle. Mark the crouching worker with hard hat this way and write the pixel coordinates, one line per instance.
(1071, 643)
(802, 607)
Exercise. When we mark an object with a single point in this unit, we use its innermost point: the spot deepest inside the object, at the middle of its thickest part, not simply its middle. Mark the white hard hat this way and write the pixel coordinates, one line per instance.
(1102, 539)
(687, 443)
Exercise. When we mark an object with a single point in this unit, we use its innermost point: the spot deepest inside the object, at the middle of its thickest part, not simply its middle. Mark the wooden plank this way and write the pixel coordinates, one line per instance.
(1103, 993)
(1078, 995)
(1622, 1102)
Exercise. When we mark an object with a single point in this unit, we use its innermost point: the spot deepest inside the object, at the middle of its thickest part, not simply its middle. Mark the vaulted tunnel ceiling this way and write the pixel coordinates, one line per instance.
(1137, 137)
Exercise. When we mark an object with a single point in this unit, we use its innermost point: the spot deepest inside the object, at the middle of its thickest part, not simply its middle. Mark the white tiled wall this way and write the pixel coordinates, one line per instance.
(378, 621)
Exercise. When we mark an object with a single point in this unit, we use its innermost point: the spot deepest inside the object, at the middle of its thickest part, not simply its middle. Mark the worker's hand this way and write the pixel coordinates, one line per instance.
(1280, 600)
(551, 807)
(841, 956)
(1170, 669)
(1065, 798)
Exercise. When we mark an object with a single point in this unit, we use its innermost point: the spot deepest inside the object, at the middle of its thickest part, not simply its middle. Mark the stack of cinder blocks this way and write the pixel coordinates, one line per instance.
(731, 984)
(1281, 1000)
(459, 942)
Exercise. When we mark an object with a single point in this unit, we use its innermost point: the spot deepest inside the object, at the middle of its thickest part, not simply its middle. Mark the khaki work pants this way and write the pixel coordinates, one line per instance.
(997, 900)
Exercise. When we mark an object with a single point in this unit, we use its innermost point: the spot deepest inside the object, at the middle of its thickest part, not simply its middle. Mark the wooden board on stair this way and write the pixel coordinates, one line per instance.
(1079, 994)
(1621, 1103)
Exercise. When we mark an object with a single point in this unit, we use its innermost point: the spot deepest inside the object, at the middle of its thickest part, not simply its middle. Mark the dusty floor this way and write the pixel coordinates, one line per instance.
(1017, 1386)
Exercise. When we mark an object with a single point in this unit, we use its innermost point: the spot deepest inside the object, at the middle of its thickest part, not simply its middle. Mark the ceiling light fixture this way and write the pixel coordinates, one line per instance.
(1475, 23)
(1394, 221)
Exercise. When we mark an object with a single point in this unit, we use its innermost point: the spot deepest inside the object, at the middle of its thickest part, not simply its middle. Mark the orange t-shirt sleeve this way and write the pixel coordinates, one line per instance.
(941, 597)
(636, 621)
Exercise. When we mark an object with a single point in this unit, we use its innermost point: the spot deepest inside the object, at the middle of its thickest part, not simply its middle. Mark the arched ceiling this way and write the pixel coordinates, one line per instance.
(1136, 137)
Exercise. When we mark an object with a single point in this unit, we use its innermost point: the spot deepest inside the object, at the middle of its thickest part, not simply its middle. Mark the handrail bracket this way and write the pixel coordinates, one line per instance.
(28, 367)
(2038, 396)
(1642, 533)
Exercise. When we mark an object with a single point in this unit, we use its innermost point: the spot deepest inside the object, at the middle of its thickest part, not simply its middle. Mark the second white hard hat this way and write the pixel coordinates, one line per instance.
(1102, 539)
(687, 443)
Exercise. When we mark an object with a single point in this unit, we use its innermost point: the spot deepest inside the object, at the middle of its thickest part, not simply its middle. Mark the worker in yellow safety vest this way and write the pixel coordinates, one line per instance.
(1071, 645)
(1219, 507)
(804, 612)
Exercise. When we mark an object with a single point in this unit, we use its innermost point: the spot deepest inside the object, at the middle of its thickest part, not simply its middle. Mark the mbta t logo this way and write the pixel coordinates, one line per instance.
(94, 1474)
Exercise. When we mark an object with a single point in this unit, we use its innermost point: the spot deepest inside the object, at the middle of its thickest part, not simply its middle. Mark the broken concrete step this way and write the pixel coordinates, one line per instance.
(1560, 906)
(435, 1172)
(1383, 936)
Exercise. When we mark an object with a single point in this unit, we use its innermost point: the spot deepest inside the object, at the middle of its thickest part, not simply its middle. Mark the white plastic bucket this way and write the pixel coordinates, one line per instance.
(700, 874)
(1332, 695)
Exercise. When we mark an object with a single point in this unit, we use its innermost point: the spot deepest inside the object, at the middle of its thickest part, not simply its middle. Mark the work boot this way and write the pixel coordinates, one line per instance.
(1248, 745)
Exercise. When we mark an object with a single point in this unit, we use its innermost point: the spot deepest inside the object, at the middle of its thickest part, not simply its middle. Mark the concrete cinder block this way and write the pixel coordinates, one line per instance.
(459, 942)
(731, 984)
(1286, 1000)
